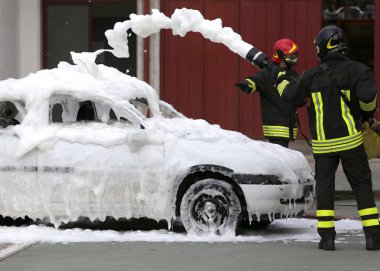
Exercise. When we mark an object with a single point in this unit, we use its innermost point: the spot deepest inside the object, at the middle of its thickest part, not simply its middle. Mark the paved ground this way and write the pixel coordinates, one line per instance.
(268, 256)
(294, 256)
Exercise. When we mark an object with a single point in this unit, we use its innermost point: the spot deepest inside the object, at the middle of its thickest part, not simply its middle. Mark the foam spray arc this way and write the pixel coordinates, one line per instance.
(181, 22)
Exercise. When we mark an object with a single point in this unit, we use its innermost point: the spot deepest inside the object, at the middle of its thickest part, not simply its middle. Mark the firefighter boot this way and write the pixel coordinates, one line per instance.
(327, 244)
(372, 237)
(372, 243)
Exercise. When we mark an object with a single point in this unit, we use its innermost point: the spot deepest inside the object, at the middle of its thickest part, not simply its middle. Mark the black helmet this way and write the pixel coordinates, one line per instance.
(329, 40)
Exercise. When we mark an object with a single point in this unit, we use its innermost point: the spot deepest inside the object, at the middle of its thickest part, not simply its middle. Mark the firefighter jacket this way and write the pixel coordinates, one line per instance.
(278, 115)
(340, 98)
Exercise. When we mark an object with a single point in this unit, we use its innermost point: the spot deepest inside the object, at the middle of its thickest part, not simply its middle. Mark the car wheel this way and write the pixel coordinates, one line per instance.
(210, 206)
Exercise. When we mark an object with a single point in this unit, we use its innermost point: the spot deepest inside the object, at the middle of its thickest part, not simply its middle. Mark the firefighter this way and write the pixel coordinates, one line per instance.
(342, 95)
(278, 116)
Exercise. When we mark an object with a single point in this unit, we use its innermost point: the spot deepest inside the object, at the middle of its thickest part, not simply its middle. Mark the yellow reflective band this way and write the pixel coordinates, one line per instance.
(338, 148)
(370, 222)
(368, 106)
(281, 87)
(281, 73)
(325, 224)
(337, 144)
(294, 47)
(295, 132)
(318, 104)
(325, 213)
(346, 114)
(251, 84)
(278, 131)
(329, 46)
(336, 141)
(368, 211)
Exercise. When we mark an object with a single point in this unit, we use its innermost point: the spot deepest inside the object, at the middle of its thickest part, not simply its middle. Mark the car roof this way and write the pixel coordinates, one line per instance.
(97, 82)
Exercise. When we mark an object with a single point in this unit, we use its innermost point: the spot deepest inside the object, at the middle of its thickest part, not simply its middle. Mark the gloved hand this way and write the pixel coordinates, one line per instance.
(244, 87)
(375, 126)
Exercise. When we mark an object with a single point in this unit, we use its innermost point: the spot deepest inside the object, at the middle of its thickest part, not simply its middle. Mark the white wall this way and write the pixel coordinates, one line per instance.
(20, 37)
(9, 39)
(30, 21)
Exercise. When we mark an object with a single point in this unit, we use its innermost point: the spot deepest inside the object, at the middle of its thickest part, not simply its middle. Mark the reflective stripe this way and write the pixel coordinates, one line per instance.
(325, 213)
(325, 224)
(337, 144)
(368, 211)
(370, 222)
(281, 86)
(346, 114)
(318, 104)
(278, 131)
(251, 84)
(281, 73)
(368, 106)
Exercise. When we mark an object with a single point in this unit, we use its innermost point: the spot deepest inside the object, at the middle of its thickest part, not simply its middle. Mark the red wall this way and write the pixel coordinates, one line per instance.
(198, 75)
(377, 51)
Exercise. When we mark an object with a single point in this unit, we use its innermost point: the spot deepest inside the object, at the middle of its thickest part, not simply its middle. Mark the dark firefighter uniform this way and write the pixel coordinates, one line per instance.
(278, 116)
(336, 134)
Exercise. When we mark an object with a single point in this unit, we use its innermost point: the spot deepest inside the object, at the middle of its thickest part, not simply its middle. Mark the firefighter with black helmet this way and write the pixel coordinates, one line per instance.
(278, 116)
(342, 95)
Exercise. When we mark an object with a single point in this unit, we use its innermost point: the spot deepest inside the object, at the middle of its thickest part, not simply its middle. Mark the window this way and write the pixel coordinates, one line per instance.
(356, 19)
(11, 113)
(79, 26)
(142, 106)
(66, 109)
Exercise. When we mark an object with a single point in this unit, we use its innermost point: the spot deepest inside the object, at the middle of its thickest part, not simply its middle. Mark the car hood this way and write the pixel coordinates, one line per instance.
(192, 142)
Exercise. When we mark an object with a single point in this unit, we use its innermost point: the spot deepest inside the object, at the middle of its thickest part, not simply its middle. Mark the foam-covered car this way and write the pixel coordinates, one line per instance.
(94, 142)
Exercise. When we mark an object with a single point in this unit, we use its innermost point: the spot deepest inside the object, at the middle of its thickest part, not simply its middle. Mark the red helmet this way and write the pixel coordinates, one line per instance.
(285, 49)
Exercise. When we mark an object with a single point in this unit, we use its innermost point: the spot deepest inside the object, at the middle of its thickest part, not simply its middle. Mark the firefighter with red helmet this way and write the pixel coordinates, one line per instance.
(278, 116)
(342, 96)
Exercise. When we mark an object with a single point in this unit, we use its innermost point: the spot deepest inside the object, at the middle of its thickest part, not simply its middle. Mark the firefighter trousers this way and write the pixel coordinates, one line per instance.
(281, 142)
(356, 169)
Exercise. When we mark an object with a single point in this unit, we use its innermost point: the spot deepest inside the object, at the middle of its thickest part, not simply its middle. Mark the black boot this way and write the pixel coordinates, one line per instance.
(372, 243)
(327, 244)
(372, 237)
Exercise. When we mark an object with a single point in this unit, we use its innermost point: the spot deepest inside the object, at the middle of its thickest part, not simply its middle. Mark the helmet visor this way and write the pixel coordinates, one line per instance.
(291, 59)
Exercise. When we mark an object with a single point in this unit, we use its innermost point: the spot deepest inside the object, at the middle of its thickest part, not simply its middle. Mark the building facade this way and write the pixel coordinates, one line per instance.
(193, 74)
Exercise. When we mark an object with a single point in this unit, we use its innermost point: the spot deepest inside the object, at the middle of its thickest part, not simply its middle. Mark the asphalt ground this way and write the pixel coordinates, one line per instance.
(294, 256)
(141, 256)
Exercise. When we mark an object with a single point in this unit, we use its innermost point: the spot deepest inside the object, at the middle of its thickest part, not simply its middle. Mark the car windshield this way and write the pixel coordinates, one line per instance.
(166, 109)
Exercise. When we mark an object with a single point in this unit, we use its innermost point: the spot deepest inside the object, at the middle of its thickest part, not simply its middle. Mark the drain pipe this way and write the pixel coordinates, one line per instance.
(154, 54)
(140, 45)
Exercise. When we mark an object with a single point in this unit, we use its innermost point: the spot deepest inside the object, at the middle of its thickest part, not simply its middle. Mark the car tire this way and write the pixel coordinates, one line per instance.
(210, 206)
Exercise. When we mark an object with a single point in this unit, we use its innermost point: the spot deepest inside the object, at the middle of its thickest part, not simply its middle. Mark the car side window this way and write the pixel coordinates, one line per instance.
(142, 106)
(108, 115)
(86, 111)
(11, 113)
(66, 109)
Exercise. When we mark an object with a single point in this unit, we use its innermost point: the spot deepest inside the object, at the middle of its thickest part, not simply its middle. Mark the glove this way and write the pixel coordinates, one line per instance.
(244, 87)
(258, 58)
(375, 126)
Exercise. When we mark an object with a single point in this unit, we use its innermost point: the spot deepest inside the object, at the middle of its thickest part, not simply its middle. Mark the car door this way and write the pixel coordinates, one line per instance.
(18, 175)
(107, 166)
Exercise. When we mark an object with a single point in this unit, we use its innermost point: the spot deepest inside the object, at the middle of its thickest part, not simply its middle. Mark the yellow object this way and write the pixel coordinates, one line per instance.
(371, 141)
